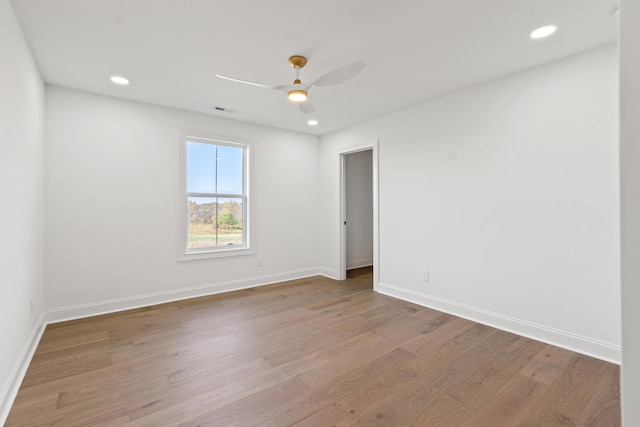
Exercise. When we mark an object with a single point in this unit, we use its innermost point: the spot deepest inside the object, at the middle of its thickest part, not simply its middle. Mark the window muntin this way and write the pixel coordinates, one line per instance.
(216, 196)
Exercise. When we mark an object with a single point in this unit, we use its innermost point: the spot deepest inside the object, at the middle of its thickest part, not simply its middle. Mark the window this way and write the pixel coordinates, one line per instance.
(215, 213)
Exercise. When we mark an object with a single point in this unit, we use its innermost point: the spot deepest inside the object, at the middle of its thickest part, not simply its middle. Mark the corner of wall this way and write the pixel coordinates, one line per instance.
(12, 385)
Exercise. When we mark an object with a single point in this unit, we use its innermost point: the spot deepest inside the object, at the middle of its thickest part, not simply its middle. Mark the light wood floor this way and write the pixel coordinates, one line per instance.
(311, 352)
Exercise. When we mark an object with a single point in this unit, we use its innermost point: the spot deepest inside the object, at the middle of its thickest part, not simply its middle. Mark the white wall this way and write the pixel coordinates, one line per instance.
(21, 201)
(522, 232)
(630, 207)
(112, 205)
(359, 209)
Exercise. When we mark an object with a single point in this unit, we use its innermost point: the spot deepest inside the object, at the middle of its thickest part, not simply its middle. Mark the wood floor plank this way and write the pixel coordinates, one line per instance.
(392, 384)
(444, 412)
(548, 364)
(521, 394)
(51, 344)
(350, 353)
(449, 328)
(101, 394)
(408, 405)
(250, 406)
(604, 407)
(43, 362)
(308, 403)
(176, 408)
(206, 364)
(479, 389)
(300, 346)
(64, 370)
(306, 352)
(415, 321)
(577, 383)
(237, 381)
(334, 419)
(27, 411)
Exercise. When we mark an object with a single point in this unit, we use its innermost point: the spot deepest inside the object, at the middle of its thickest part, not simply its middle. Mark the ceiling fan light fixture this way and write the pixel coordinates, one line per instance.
(297, 95)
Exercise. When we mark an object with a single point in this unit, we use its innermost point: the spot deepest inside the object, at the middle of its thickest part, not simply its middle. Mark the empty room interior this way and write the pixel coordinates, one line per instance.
(320, 213)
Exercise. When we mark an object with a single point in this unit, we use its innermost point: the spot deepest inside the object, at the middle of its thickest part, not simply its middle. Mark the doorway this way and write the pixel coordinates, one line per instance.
(359, 210)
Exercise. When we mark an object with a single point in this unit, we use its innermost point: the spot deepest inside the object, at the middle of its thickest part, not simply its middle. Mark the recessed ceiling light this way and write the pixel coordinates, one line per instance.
(313, 122)
(119, 80)
(543, 32)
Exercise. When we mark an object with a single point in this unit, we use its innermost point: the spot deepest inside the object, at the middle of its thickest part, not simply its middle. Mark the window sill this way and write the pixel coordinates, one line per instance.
(226, 253)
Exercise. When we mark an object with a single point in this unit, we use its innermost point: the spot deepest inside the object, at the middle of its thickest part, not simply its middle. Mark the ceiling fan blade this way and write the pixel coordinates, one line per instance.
(340, 75)
(248, 82)
(286, 88)
(306, 107)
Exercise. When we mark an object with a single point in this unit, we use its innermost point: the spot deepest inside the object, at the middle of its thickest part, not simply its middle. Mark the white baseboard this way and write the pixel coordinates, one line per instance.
(110, 306)
(588, 346)
(10, 389)
(359, 263)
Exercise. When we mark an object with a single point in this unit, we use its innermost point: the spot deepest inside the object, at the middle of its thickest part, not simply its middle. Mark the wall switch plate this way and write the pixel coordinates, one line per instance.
(455, 153)
(450, 155)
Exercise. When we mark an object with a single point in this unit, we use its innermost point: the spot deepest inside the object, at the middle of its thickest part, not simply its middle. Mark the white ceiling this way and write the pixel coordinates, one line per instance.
(415, 50)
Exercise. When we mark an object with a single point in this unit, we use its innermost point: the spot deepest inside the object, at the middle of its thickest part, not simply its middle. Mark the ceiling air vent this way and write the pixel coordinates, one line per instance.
(219, 109)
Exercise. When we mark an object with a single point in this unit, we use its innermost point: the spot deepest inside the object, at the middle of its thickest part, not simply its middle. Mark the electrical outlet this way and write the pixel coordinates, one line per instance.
(259, 261)
(425, 275)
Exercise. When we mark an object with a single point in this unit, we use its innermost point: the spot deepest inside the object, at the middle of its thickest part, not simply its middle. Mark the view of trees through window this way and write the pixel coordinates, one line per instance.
(215, 195)
(206, 216)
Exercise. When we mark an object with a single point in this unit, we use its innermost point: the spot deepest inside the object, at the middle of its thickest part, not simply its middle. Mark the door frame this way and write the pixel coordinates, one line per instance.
(342, 205)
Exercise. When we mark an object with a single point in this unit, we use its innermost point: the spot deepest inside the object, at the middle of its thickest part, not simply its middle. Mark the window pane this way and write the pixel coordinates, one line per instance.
(229, 170)
(230, 222)
(202, 222)
(201, 167)
(215, 188)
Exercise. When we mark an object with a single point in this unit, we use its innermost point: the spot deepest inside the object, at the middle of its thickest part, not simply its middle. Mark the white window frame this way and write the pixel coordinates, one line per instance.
(186, 254)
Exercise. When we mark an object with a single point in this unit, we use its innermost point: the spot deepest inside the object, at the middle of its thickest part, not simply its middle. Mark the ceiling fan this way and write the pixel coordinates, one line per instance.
(299, 92)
